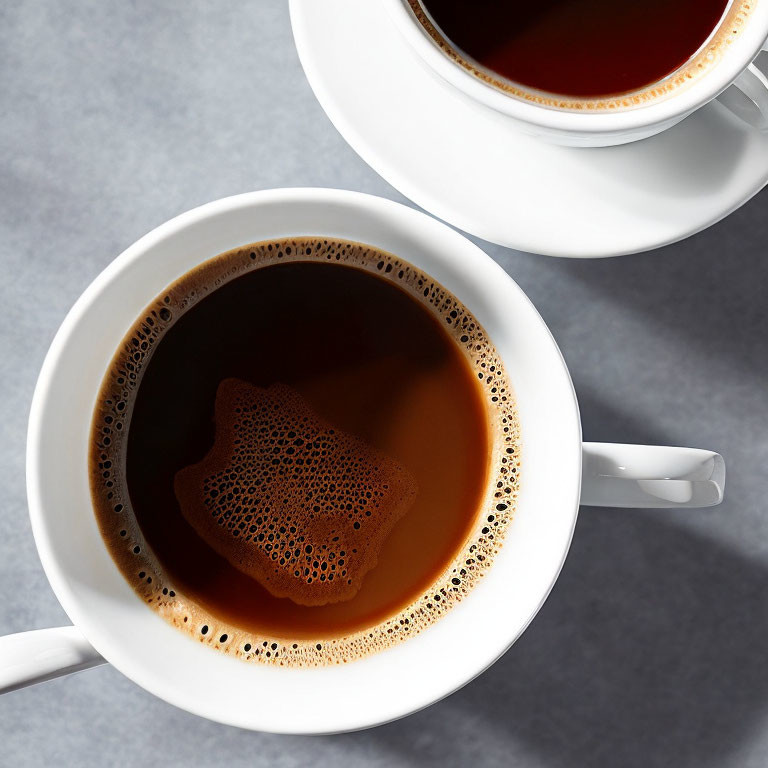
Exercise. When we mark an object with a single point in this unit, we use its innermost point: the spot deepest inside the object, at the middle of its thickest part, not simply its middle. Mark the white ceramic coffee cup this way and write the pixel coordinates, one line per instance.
(111, 621)
(605, 127)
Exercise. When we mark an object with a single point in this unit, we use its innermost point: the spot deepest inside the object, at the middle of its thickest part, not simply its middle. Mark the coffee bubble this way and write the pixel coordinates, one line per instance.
(237, 466)
(288, 499)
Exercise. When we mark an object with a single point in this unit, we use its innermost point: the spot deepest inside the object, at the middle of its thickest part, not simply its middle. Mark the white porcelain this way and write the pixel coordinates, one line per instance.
(467, 164)
(124, 631)
(604, 127)
(27, 658)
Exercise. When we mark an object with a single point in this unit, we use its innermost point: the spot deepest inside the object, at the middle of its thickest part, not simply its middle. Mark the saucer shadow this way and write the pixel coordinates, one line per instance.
(648, 652)
(707, 290)
(692, 159)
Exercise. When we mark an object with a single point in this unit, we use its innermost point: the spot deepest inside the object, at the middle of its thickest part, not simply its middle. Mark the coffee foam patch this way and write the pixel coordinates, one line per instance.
(289, 500)
(134, 557)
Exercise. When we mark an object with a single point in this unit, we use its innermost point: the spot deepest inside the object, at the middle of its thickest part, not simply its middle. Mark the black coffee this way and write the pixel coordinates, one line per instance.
(580, 48)
(308, 431)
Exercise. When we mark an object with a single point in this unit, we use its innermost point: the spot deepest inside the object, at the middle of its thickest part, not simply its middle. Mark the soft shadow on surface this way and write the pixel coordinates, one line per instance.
(649, 652)
(709, 291)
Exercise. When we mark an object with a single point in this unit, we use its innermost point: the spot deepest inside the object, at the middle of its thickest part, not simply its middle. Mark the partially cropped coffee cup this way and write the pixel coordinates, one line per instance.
(593, 72)
(306, 461)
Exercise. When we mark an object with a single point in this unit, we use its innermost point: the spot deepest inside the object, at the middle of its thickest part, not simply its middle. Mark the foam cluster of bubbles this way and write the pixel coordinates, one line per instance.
(294, 503)
(138, 564)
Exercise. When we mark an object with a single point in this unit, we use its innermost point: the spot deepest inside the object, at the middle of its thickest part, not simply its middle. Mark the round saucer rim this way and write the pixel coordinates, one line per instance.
(366, 150)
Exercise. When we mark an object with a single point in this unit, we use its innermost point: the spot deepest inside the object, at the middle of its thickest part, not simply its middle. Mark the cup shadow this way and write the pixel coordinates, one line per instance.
(648, 652)
(707, 290)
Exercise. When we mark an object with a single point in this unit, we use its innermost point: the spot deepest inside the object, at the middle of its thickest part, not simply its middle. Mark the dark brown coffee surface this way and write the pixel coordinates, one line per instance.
(579, 48)
(335, 348)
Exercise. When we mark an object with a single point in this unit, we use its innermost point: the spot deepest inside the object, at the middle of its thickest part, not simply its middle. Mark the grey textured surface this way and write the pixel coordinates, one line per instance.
(651, 649)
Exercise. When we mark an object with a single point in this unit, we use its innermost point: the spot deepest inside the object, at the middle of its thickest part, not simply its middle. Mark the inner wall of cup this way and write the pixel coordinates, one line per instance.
(146, 571)
(383, 686)
(730, 28)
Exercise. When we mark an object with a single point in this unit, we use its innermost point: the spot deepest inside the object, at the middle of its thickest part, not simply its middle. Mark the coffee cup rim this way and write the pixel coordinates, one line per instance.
(385, 685)
(737, 56)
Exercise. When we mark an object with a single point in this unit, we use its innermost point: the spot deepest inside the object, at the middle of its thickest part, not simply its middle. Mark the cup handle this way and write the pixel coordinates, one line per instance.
(613, 475)
(650, 476)
(753, 84)
(33, 657)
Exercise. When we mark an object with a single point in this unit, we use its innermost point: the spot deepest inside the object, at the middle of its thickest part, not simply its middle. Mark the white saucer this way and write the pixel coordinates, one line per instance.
(463, 162)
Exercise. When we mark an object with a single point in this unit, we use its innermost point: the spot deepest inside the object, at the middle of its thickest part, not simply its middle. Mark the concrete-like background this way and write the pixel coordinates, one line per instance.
(651, 650)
